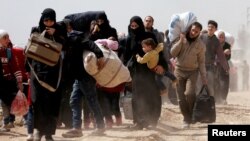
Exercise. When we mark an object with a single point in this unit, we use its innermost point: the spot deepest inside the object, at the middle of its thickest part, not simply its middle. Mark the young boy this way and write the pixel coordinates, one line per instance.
(151, 57)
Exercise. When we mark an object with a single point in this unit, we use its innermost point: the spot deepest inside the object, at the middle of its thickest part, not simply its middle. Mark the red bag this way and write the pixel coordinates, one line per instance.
(19, 105)
(115, 89)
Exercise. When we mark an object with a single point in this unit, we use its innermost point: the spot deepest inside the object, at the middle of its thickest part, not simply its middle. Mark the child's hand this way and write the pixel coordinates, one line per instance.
(159, 69)
(137, 55)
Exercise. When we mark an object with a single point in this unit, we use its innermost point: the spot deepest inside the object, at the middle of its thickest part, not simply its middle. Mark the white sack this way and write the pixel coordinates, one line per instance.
(179, 23)
(112, 74)
(228, 37)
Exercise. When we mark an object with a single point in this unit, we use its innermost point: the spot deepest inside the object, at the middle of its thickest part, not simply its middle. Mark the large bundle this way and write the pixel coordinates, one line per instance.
(81, 21)
(229, 38)
(112, 74)
(179, 23)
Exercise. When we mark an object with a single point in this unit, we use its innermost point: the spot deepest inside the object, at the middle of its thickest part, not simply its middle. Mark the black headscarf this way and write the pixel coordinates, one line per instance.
(135, 35)
(47, 14)
(105, 25)
(138, 31)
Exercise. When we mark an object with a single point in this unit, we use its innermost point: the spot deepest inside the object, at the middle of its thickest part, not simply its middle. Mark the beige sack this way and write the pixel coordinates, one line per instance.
(112, 74)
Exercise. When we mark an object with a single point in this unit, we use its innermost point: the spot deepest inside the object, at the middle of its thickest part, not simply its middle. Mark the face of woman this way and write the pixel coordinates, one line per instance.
(48, 23)
(100, 21)
(134, 25)
(5, 40)
(221, 38)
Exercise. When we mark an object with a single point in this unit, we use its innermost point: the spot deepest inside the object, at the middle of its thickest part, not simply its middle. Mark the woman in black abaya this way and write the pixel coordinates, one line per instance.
(46, 103)
(146, 100)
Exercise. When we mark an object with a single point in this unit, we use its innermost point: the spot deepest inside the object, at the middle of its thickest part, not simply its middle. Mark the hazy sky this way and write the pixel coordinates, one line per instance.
(18, 16)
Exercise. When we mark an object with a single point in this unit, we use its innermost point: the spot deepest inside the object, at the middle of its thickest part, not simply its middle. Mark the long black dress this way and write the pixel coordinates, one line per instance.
(46, 104)
(146, 100)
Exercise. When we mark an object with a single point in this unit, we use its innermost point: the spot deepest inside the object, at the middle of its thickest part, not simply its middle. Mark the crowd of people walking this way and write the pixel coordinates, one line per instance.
(201, 58)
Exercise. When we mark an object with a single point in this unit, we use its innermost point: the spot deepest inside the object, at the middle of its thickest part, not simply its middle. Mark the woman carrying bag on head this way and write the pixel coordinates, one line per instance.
(46, 103)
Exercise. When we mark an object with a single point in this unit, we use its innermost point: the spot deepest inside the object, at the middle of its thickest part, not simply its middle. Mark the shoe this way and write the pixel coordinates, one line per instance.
(59, 124)
(136, 127)
(2, 129)
(185, 125)
(49, 138)
(37, 136)
(98, 131)
(73, 133)
(9, 125)
(30, 137)
(19, 123)
(25, 122)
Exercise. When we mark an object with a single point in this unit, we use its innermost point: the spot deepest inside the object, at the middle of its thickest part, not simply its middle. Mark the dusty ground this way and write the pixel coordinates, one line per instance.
(236, 112)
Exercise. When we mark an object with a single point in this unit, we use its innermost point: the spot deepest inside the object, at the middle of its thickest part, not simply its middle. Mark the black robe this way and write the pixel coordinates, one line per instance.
(46, 104)
(146, 100)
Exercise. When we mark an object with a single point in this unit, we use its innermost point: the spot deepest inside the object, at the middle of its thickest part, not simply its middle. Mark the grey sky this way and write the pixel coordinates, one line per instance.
(18, 16)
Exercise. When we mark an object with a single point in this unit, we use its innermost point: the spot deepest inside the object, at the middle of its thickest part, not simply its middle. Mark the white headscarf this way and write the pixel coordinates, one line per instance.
(3, 33)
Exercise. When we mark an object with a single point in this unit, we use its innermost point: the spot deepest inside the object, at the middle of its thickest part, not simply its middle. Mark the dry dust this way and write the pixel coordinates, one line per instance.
(237, 111)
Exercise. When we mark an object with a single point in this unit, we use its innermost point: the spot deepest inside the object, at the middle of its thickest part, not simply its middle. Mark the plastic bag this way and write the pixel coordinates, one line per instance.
(229, 38)
(127, 105)
(19, 106)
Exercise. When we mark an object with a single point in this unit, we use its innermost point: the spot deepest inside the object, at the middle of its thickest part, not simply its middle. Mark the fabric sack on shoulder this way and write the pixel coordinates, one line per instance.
(204, 108)
(42, 49)
(179, 23)
(112, 74)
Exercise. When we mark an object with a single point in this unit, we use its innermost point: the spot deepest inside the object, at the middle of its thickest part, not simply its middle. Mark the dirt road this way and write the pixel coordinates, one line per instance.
(237, 111)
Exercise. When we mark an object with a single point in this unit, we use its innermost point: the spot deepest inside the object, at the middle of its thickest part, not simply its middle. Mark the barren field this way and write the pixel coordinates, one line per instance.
(237, 111)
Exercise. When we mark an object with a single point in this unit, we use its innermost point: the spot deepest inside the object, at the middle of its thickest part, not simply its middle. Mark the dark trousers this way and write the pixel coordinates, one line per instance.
(30, 120)
(159, 80)
(87, 89)
(109, 103)
(221, 84)
(8, 91)
(186, 92)
(224, 84)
